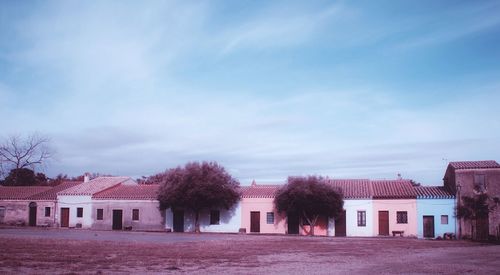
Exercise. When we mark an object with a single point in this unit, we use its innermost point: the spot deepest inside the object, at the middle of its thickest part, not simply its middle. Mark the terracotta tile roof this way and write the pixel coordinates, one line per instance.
(353, 188)
(20, 192)
(96, 185)
(393, 189)
(51, 194)
(433, 192)
(129, 192)
(259, 191)
(482, 164)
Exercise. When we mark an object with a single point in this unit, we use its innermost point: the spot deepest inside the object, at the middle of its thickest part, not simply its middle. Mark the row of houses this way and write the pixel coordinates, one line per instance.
(371, 207)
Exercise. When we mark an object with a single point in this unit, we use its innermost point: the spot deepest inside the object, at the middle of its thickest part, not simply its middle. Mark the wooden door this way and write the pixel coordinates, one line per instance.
(255, 222)
(32, 214)
(64, 217)
(340, 226)
(293, 223)
(482, 228)
(428, 226)
(117, 219)
(383, 223)
(178, 220)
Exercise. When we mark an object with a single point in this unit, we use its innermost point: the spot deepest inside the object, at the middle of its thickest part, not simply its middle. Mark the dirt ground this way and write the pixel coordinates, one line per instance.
(243, 254)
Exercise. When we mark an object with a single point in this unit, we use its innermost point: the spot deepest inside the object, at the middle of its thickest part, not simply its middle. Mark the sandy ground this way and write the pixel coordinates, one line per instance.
(67, 252)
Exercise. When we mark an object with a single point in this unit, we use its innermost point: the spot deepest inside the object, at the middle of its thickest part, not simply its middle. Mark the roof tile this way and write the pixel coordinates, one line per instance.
(393, 189)
(482, 164)
(21, 192)
(129, 192)
(433, 192)
(51, 194)
(96, 185)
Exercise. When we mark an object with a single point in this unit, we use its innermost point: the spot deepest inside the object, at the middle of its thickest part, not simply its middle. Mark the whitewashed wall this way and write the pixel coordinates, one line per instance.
(352, 229)
(74, 202)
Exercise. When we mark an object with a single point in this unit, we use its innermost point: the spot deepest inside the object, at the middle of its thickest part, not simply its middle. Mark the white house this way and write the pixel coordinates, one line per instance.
(75, 203)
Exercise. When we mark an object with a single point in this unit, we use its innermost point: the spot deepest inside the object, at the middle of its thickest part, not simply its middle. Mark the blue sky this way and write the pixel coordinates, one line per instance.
(364, 89)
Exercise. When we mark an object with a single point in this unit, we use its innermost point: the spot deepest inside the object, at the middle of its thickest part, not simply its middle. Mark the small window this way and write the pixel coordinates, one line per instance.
(79, 212)
(135, 214)
(480, 183)
(444, 219)
(270, 217)
(214, 217)
(47, 211)
(402, 217)
(361, 218)
(100, 214)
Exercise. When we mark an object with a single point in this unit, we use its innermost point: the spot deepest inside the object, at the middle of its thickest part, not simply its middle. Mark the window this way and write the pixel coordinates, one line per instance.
(214, 217)
(47, 211)
(402, 217)
(270, 217)
(135, 214)
(444, 219)
(480, 183)
(79, 212)
(100, 214)
(361, 218)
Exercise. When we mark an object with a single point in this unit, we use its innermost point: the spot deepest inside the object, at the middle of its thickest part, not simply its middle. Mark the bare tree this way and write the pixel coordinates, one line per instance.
(17, 152)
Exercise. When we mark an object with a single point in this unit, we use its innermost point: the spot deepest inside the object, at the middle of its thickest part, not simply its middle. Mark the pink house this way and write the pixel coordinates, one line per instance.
(394, 208)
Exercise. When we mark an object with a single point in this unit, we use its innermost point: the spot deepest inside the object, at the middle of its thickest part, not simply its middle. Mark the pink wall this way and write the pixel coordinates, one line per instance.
(408, 205)
(264, 205)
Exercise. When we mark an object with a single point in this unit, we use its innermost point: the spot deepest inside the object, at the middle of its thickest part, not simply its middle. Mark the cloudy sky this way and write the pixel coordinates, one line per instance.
(364, 89)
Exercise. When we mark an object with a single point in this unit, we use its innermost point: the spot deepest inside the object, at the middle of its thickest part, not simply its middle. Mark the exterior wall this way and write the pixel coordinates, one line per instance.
(16, 212)
(352, 207)
(229, 220)
(262, 205)
(150, 216)
(408, 205)
(465, 178)
(436, 208)
(74, 202)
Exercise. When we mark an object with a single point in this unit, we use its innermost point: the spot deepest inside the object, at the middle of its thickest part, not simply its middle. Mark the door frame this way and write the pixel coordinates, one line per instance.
(342, 224)
(293, 224)
(430, 218)
(64, 217)
(118, 212)
(254, 221)
(33, 207)
(176, 220)
(380, 224)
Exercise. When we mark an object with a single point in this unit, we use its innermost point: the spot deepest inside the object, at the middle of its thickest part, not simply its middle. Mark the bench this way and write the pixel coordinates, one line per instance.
(398, 232)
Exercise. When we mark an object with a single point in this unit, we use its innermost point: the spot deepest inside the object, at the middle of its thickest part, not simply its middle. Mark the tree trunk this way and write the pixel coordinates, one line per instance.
(197, 221)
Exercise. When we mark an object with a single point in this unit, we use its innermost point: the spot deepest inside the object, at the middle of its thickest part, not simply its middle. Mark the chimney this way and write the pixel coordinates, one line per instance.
(86, 177)
(254, 183)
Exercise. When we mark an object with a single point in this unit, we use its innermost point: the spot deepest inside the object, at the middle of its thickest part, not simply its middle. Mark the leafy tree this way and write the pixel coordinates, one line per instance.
(24, 177)
(196, 187)
(473, 208)
(309, 197)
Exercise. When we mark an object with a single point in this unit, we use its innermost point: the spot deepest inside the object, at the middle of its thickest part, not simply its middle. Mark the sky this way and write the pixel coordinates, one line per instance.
(268, 89)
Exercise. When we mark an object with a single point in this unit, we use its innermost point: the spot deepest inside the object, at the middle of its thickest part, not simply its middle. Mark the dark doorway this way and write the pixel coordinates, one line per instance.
(293, 223)
(117, 219)
(178, 220)
(64, 217)
(482, 228)
(32, 218)
(340, 225)
(383, 223)
(429, 227)
(255, 222)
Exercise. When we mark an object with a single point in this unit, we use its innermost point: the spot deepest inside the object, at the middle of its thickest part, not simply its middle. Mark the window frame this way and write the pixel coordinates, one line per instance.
(79, 212)
(402, 217)
(269, 217)
(100, 214)
(135, 214)
(447, 219)
(47, 211)
(214, 217)
(361, 217)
